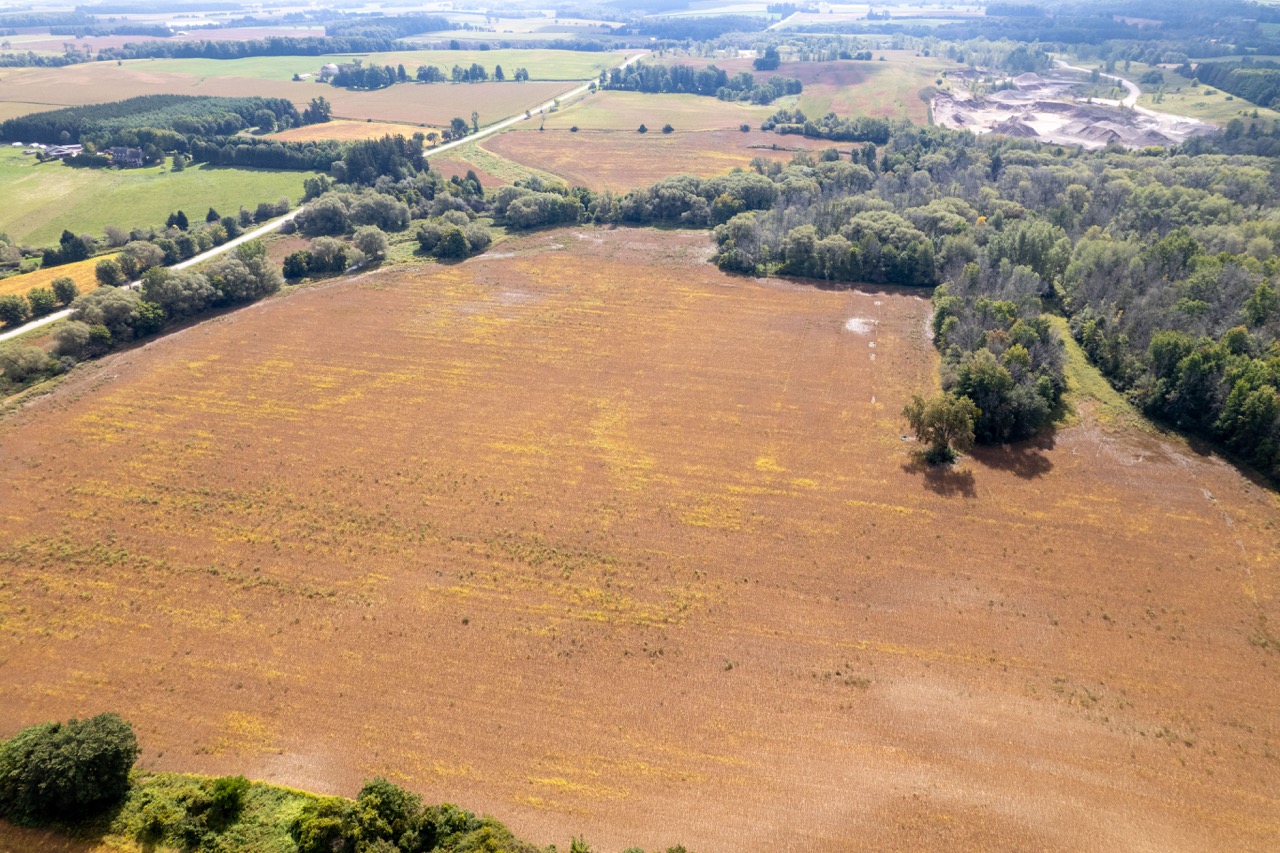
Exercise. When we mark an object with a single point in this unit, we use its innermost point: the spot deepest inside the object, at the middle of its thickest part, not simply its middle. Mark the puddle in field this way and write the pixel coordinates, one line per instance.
(859, 325)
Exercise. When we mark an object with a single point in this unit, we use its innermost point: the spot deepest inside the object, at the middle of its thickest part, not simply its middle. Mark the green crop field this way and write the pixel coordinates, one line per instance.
(542, 64)
(41, 200)
(612, 110)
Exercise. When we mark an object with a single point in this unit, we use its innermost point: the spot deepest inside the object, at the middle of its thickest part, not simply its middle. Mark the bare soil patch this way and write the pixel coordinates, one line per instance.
(1046, 109)
(595, 538)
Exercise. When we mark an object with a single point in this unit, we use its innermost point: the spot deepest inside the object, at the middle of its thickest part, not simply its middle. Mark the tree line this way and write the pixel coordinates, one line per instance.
(830, 126)
(146, 118)
(1255, 80)
(356, 75)
(385, 26)
(709, 81)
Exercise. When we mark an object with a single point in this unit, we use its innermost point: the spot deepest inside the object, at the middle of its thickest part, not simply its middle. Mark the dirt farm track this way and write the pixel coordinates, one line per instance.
(587, 535)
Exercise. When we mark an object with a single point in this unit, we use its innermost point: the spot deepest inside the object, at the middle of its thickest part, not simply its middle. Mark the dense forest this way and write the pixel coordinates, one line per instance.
(709, 81)
(385, 26)
(1257, 81)
(202, 129)
(126, 122)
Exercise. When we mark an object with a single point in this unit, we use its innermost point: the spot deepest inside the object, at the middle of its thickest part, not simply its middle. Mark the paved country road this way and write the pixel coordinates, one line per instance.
(275, 224)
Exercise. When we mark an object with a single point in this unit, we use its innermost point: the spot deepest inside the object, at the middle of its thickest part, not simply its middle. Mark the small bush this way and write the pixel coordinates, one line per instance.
(667, 128)
(65, 290)
(14, 310)
(41, 300)
(64, 771)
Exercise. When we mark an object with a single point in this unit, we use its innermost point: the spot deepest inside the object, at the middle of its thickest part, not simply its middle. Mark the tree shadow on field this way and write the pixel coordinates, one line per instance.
(1026, 459)
(944, 480)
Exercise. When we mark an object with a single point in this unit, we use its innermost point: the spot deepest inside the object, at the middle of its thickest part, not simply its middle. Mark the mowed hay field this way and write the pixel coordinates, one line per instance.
(412, 103)
(610, 110)
(346, 131)
(590, 536)
(41, 200)
(888, 89)
(622, 160)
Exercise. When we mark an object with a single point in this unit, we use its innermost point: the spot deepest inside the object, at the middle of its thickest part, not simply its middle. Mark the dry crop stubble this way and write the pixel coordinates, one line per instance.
(588, 535)
(623, 160)
(413, 103)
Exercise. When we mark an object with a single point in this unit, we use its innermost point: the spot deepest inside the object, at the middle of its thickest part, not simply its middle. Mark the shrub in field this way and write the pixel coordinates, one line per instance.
(244, 275)
(452, 243)
(41, 300)
(297, 265)
(451, 237)
(63, 771)
(108, 273)
(371, 240)
(327, 255)
(667, 128)
(13, 310)
(944, 423)
(642, 129)
(20, 364)
(180, 294)
(122, 313)
(139, 256)
(65, 290)
(72, 340)
(70, 249)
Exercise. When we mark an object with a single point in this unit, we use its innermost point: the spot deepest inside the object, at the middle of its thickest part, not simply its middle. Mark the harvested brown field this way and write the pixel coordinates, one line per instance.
(435, 104)
(13, 109)
(346, 131)
(588, 535)
(623, 160)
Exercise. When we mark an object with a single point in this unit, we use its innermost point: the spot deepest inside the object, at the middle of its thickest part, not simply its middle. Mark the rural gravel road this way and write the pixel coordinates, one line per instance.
(1131, 100)
(275, 224)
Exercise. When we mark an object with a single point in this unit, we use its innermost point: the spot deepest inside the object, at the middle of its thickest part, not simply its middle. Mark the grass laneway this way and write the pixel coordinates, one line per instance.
(1087, 386)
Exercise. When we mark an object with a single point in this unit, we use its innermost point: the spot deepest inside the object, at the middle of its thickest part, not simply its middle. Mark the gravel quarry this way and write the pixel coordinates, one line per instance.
(1049, 109)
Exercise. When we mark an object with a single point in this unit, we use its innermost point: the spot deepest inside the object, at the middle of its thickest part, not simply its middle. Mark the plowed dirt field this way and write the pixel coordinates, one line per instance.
(587, 535)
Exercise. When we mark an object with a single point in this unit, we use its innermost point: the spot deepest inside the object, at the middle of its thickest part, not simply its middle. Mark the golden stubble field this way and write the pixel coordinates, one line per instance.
(623, 160)
(29, 90)
(587, 535)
